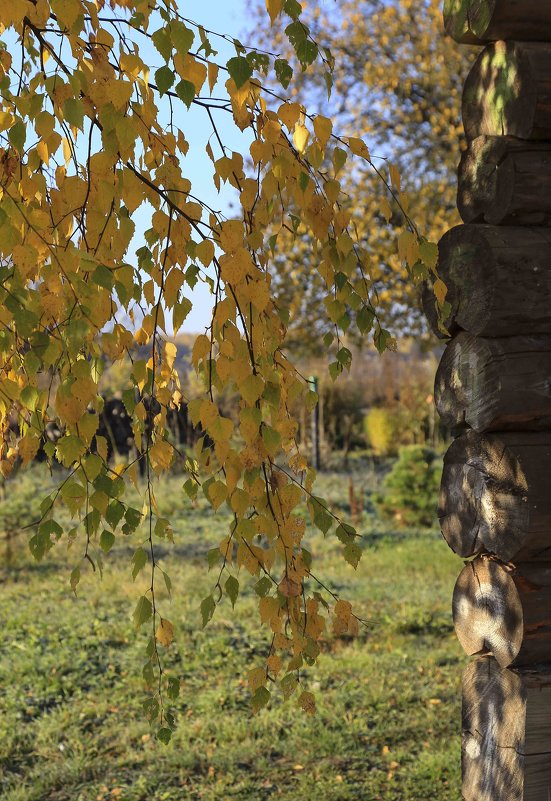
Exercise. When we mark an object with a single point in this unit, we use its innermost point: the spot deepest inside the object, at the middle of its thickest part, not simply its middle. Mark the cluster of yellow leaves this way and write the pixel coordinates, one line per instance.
(82, 149)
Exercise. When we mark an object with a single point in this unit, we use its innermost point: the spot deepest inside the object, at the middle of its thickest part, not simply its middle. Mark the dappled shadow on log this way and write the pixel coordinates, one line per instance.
(494, 495)
(506, 723)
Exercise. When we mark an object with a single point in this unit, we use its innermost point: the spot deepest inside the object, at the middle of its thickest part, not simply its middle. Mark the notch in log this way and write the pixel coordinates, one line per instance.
(480, 21)
(495, 384)
(505, 181)
(504, 611)
(506, 733)
(498, 280)
(494, 496)
(508, 92)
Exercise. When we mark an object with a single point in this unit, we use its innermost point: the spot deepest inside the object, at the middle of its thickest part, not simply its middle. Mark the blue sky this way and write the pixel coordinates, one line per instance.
(230, 17)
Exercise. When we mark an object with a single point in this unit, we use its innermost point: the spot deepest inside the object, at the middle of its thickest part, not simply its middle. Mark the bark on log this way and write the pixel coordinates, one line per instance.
(508, 92)
(504, 611)
(479, 21)
(498, 280)
(505, 181)
(506, 733)
(494, 496)
(495, 384)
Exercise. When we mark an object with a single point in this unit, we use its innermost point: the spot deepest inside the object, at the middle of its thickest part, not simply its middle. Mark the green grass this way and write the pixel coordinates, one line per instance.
(387, 726)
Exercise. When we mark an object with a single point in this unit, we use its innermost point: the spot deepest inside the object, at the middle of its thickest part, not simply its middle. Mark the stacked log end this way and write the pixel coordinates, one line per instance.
(493, 391)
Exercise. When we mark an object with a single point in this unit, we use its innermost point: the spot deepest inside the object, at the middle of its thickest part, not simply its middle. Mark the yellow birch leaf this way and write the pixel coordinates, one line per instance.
(165, 633)
(395, 179)
(217, 492)
(205, 252)
(300, 138)
(212, 75)
(289, 114)
(160, 455)
(323, 128)
(274, 9)
(358, 147)
(201, 347)
(268, 608)
(440, 290)
(386, 209)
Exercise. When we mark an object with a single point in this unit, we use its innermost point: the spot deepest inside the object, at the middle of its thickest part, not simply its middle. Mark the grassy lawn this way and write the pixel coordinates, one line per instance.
(387, 726)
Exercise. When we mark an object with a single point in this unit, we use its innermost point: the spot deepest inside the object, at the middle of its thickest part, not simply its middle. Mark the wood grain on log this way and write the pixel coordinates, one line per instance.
(505, 181)
(495, 384)
(479, 21)
(503, 611)
(495, 495)
(498, 280)
(506, 733)
(508, 92)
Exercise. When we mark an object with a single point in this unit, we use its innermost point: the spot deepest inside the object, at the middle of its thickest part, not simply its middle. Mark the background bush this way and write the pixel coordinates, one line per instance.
(410, 488)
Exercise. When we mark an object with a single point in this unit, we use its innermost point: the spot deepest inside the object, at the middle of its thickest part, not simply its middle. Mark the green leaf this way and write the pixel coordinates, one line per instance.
(297, 33)
(240, 70)
(173, 688)
(73, 113)
(319, 513)
(164, 78)
(213, 557)
(345, 533)
(380, 338)
(143, 611)
(114, 513)
(139, 561)
(263, 586)
(207, 609)
(271, 439)
(293, 8)
(303, 181)
(182, 37)
(335, 369)
(103, 277)
(162, 41)
(283, 71)
(428, 252)
(186, 92)
(164, 735)
(75, 578)
(168, 583)
(364, 319)
(328, 78)
(307, 52)
(232, 589)
(260, 699)
(353, 554)
(106, 540)
(17, 135)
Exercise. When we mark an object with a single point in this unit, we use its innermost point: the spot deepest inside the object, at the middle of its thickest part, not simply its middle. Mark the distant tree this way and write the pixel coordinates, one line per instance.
(399, 82)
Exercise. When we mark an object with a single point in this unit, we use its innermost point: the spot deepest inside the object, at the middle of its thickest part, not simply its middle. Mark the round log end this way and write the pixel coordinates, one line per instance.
(463, 256)
(498, 97)
(485, 181)
(487, 612)
(467, 21)
(466, 365)
(483, 493)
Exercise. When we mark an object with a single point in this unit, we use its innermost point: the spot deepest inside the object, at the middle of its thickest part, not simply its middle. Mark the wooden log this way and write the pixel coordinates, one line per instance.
(505, 181)
(479, 21)
(506, 733)
(508, 92)
(494, 495)
(498, 280)
(495, 384)
(504, 611)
